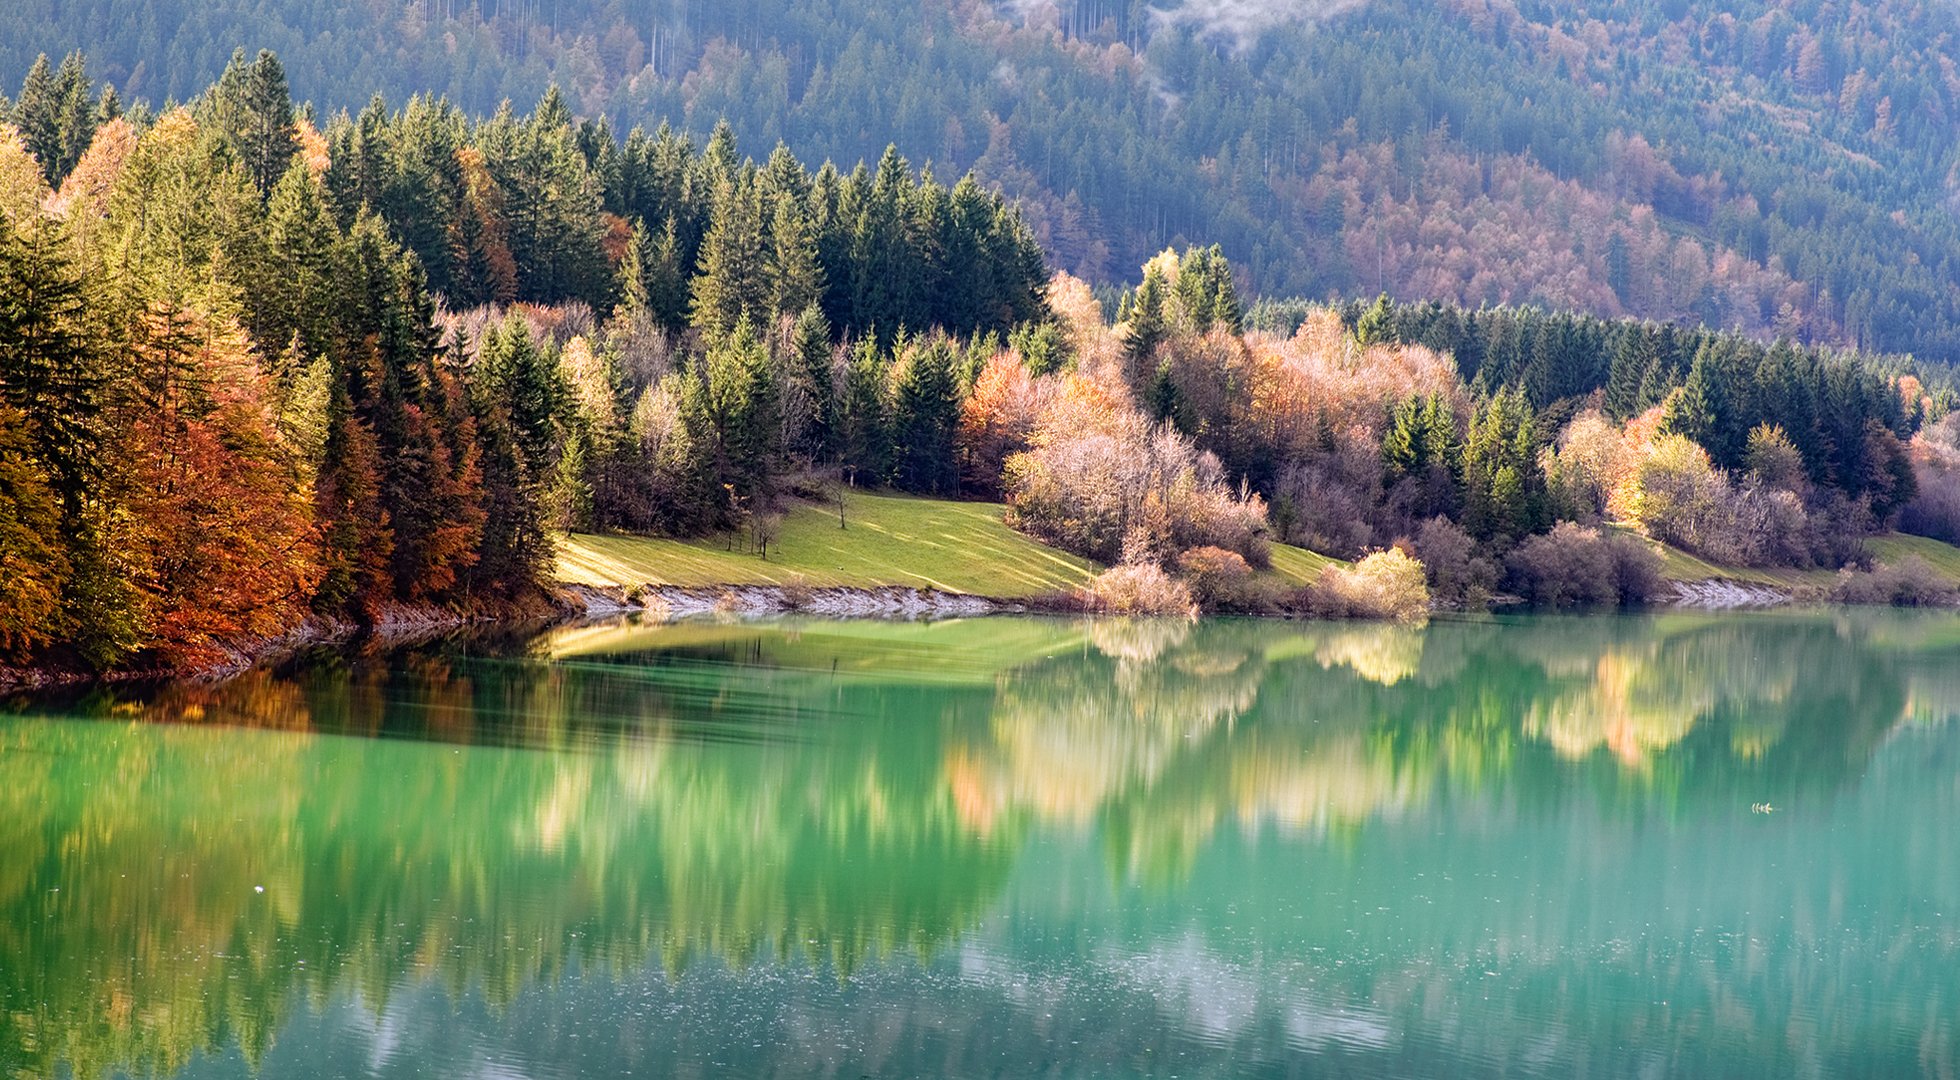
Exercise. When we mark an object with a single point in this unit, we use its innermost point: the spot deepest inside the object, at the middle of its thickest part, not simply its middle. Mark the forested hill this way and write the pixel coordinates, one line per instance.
(1782, 168)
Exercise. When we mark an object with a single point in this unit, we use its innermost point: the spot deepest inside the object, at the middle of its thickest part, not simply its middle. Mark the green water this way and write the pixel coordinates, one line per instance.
(1673, 846)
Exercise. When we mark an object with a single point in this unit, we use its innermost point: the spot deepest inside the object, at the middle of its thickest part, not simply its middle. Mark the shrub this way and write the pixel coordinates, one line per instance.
(1328, 496)
(1140, 589)
(1458, 574)
(1910, 582)
(1223, 581)
(1385, 585)
(1935, 507)
(1110, 485)
(1574, 566)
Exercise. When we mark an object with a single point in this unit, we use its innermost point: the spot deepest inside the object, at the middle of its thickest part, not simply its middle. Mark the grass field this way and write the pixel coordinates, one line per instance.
(1892, 547)
(1298, 566)
(1678, 565)
(954, 547)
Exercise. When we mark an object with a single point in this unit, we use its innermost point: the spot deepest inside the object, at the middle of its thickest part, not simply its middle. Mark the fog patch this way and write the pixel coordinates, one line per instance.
(1246, 20)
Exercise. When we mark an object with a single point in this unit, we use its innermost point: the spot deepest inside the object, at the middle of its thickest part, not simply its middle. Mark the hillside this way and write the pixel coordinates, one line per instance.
(958, 547)
(1775, 167)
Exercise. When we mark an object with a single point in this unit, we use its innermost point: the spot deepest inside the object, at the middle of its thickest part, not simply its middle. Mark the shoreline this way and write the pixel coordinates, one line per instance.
(567, 602)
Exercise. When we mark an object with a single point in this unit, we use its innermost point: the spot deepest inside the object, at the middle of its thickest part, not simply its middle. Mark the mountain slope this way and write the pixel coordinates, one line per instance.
(1782, 168)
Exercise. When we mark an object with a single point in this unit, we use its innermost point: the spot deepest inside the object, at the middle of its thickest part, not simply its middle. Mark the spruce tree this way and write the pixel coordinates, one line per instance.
(810, 342)
(795, 279)
(75, 116)
(1147, 327)
(254, 108)
(38, 116)
(925, 415)
(53, 371)
(733, 281)
(293, 301)
(863, 439)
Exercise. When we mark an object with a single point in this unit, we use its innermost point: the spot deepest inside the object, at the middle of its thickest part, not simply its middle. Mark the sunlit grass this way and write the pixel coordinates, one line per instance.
(956, 547)
(1298, 566)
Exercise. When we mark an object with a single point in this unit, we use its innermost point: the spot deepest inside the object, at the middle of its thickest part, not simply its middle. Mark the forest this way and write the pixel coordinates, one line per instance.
(255, 368)
(1783, 168)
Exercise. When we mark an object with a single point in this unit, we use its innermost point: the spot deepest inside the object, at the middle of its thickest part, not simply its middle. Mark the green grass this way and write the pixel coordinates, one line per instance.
(1678, 565)
(949, 651)
(1942, 557)
(1298, 566)
(955, 547)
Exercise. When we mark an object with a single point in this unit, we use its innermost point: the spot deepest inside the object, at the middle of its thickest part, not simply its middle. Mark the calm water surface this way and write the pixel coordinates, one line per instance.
(1672, 846)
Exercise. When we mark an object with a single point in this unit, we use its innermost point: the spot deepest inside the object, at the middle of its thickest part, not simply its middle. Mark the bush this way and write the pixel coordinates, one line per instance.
(1573, 567)
(1458, 575)
(1385, 585)
(1223, 581)
(1326, 497)
(1139, 589)
(1910, 582)
(1108, 484)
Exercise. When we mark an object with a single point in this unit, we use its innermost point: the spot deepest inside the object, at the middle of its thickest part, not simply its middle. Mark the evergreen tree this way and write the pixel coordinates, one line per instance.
(75, 116)
(52, 369)
(795, 280)
(1635, 357)
(1377, 324)
(38, 116)
(292, 301)
(863, 439)
(1147, 325)
(810, 344)
(254, 108)
(1503, 487)
(733, 281)
(740, 423)
(925, 414)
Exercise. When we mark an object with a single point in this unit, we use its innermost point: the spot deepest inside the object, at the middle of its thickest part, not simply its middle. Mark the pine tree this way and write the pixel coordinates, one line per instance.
(925, 415)
(254, 108)
(733, 281)
(795, 279)
(810, 343)
(38, 116)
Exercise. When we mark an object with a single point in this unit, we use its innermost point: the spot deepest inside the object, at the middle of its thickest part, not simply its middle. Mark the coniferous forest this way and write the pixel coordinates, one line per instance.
(1780, 167)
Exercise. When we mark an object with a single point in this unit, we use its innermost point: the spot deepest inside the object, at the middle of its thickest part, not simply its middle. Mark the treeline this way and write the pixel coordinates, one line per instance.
(1511, 450)
(1775, 168)
(235, 388)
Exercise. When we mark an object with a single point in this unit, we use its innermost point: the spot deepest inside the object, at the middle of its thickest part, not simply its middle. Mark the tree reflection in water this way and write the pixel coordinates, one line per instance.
(844, 794)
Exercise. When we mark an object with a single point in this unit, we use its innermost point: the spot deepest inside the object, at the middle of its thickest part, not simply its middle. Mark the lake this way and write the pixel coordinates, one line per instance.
(1673, 845)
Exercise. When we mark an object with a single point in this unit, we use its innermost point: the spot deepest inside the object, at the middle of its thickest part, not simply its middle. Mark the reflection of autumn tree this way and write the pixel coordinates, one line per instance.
(137, 936)
(728, 795)
(1164, 735)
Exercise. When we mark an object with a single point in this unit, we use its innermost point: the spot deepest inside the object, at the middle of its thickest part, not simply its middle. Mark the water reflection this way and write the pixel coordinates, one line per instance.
(1515, 845)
